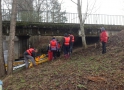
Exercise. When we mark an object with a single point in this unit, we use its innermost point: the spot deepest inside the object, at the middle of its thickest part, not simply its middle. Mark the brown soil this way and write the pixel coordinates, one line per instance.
(87, 69)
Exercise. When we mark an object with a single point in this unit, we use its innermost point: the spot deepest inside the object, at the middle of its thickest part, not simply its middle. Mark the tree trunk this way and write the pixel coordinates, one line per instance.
(81, 24)
(11, 38)
(2, 63)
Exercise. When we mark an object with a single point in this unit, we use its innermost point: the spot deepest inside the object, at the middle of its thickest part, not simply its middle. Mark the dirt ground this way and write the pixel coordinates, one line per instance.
(87, 69)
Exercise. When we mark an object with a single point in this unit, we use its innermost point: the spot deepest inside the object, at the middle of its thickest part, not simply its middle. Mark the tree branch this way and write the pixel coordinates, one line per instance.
(6, 4)
(93, 7)
(74, 2)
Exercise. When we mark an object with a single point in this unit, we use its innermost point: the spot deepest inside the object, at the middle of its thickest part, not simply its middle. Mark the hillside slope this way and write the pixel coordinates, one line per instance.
(87, 69)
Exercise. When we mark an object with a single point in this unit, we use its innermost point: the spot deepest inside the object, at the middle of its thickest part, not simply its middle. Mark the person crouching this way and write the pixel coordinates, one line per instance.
(29, 54)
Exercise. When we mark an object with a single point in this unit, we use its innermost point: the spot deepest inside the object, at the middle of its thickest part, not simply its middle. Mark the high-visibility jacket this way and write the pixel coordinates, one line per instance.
(30, 51)
(59, 45)
(53, 45)
(67, 40)
(72, 38)
(104, 36)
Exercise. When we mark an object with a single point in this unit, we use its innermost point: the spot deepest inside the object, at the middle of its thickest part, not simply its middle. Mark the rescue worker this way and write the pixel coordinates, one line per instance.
(58, 48)
(66, 45)
(103, 39)
(29, 54)
(71, 42)
(53, 47)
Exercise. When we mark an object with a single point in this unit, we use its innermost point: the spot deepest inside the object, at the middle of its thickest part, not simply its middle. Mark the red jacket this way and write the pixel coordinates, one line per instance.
(53, 44)
(30, 51)
(59, 45)
(66, 41)
(72, 38)
(104, 36)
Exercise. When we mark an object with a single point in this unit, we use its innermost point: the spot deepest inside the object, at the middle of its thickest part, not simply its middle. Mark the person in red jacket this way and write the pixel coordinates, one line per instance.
(66, 46)
(103, 39)
(53, 47)
(58, 48)
(71, 41)
(29, 54)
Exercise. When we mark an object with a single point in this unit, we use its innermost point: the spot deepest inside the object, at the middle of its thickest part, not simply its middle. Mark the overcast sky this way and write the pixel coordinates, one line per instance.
(111, 7)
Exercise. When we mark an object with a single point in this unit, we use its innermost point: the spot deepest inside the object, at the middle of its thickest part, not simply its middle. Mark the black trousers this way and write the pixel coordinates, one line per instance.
(66, 49)
(103, 47)
(71, 47)
(54, 53)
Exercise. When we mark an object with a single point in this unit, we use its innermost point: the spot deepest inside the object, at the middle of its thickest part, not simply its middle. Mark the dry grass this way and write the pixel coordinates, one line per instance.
(87, 69)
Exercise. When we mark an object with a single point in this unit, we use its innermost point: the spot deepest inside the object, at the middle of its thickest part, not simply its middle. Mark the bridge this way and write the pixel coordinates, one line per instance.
(28, 24)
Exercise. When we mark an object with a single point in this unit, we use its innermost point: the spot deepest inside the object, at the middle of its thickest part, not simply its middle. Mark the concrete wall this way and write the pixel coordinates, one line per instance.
(16, 47)
(41, 42)
(110, 33)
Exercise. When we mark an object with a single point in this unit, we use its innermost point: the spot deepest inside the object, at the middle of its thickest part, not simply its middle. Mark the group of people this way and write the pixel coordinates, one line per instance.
(67, 46)
(54, 47)
(68, 42)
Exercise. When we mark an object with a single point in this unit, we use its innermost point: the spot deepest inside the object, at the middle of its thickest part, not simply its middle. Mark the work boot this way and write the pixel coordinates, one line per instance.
(35, 66)
(26, 68)
(53, 58)
(68, 56)
(65, 56)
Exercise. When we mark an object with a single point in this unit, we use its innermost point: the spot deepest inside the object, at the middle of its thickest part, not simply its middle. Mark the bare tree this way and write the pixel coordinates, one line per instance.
(37, 7)
(2, 63)
(11, 38)
(81, 23)
(38, 10)
(79, 10)
(82, 18)
(49, 11)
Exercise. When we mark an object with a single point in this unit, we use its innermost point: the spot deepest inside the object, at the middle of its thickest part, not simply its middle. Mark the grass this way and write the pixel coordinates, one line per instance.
(72, 74)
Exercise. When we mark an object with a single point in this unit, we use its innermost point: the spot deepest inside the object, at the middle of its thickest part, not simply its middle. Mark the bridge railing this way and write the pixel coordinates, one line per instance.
(97, 19)
(32, 16)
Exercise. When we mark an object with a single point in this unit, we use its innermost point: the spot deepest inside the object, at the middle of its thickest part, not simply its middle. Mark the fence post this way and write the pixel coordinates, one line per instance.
(1, 83)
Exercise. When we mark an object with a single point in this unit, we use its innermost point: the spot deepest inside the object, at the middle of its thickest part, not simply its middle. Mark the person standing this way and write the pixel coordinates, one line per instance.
(103, 39)
(71, 42)
(58, 48)
(66, 46)
(29, 54)
(53, 47)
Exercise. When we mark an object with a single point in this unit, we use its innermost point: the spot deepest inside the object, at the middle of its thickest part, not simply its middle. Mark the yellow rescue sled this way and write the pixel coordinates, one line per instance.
(39, 59)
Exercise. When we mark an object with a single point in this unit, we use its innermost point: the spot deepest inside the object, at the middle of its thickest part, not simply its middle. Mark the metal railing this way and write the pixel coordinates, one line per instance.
(33, 16)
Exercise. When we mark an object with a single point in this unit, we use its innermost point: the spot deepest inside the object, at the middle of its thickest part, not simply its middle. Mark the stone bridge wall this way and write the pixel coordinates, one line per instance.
(57, 29)
(37, 32)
